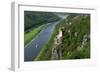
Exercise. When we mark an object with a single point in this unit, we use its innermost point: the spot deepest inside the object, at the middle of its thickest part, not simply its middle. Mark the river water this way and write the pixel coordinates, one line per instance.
(34, 47)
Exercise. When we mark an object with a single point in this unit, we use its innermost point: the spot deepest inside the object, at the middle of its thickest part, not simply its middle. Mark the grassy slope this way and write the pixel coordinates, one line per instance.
(28, 36)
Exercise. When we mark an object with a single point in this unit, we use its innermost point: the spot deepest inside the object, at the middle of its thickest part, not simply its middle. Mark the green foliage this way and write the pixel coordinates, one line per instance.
(80, 24)
(33, 19)
(81, 54)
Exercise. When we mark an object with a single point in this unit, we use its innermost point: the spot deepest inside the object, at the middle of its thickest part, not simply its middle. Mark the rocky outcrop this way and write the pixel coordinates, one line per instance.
(56, 52)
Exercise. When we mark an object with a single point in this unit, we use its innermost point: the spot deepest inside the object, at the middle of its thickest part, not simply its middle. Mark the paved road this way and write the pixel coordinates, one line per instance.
(33, 48)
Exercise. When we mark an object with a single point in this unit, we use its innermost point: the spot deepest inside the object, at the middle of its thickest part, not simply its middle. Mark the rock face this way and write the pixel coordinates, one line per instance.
(56, 53)
(84, 41)
(58, 38)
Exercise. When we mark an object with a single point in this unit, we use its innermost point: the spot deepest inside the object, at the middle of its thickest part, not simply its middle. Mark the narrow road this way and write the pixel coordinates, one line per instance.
(33, 48)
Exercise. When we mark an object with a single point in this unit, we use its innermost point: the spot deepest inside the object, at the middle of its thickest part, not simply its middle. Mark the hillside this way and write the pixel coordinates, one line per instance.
(74, 42)
(33, 19)
(76, 37)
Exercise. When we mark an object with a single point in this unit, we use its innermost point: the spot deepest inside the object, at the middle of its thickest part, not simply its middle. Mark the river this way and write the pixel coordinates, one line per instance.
(34, 47)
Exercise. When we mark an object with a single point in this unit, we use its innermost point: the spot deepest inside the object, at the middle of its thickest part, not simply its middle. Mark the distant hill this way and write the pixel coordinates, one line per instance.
(62, 15)
(34, 18)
